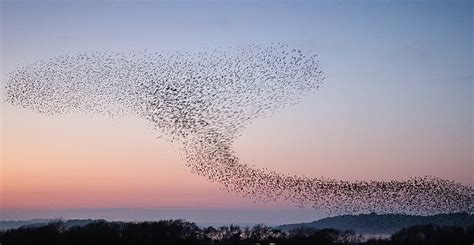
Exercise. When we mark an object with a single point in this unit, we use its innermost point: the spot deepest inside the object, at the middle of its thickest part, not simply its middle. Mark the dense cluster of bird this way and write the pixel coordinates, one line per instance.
(203, 100)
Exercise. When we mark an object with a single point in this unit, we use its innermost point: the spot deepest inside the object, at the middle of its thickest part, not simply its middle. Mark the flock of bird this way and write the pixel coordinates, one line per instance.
(203, 100)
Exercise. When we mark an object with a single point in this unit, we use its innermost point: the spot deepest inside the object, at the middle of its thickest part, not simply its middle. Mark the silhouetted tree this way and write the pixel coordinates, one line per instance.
(179, 232)
(432, 235)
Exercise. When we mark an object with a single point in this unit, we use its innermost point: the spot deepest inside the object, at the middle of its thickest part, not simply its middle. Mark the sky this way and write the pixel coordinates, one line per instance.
(396, 103)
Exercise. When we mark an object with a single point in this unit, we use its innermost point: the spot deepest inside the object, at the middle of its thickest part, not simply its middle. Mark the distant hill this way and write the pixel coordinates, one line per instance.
(383, 223)
(14, 224)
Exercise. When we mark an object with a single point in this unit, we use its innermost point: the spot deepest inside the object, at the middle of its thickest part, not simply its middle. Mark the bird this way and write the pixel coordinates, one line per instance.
(202, 101)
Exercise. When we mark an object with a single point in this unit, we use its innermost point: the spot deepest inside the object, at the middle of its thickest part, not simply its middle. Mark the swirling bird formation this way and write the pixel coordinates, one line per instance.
(203, 100)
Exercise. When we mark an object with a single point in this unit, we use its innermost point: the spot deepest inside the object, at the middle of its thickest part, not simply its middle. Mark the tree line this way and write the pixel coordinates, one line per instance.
(168, 232)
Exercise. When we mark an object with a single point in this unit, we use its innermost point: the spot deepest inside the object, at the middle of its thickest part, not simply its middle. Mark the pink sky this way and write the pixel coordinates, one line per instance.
(77, 161)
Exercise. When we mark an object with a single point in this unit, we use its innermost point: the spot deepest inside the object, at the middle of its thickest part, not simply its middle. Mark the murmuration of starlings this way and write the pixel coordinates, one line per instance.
(202, 100)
